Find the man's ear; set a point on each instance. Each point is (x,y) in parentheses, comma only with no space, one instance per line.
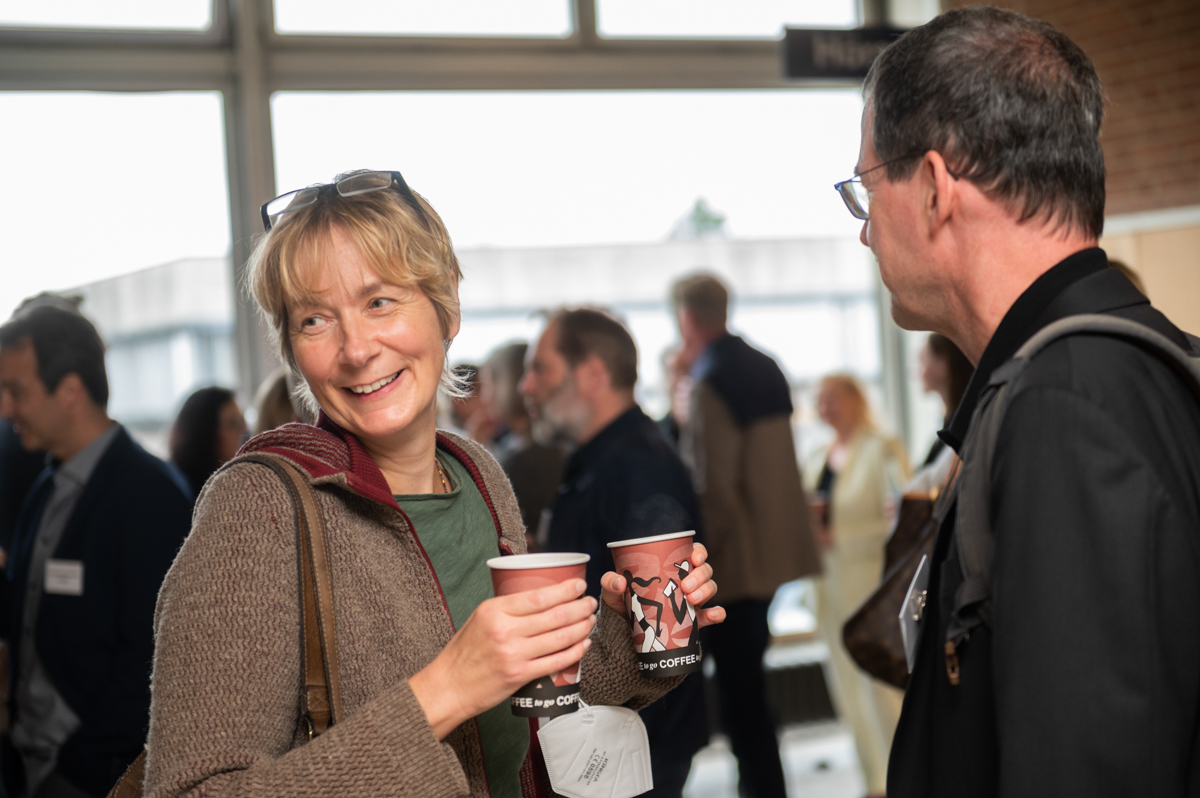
(71,390)
(941,196)
(591,375)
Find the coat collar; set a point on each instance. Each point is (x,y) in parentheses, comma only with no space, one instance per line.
(1081,283)
(329,454)
(605,440)
(749,381)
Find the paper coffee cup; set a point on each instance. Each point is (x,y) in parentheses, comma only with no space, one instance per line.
(664,624)
(558,693)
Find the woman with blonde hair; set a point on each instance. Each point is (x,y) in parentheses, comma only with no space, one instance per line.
(858,475)
(360,285)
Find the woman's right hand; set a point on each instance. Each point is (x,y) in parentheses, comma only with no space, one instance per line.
(507,642)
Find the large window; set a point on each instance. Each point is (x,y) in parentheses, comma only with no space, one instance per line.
(128,14)
(513,169)
(605,198)
(442,18)
(101,185)
(708,19)
(552,197)
(719,19)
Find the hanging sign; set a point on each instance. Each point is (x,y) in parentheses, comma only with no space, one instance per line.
(830,53)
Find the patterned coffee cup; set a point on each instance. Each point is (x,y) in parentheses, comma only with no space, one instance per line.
(558,693)
(662,620)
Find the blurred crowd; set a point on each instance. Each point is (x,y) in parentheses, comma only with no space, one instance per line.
(586,466)
(303,605)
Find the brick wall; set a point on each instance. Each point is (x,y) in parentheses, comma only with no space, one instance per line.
(1148,57)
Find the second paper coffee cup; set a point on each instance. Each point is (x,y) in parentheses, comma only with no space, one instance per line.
(558,693)
(662,620)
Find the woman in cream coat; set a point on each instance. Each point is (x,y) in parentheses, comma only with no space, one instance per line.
(860,474)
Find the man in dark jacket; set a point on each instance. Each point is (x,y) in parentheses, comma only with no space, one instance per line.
(982,185)
(737,440)
(19,469)
(623,480)
(93,541)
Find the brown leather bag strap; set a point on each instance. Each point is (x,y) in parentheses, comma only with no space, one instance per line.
(131,781)
(321,702)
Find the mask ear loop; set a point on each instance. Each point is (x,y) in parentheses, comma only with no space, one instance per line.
(586,708)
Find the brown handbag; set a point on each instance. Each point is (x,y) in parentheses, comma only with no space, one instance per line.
(872,634)
(321,701)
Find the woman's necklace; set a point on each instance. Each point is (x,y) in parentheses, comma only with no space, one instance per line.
(441,474)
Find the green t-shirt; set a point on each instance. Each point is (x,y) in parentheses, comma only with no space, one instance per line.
(459,536)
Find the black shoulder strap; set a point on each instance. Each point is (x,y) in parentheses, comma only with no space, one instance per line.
(973,530)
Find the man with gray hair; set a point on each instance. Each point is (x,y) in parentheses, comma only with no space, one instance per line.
(980,182)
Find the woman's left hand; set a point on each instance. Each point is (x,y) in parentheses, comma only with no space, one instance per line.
(699,588)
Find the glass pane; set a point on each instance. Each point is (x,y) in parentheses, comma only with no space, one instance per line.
(518,169)
(121,14)
(719,19)
(606,197)
(122,198)
(443,18)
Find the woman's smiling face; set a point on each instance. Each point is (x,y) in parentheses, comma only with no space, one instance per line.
(371,352)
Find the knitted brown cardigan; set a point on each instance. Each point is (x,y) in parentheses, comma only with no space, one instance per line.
(225,720)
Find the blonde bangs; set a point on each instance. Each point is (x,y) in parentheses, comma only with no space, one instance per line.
(300,256)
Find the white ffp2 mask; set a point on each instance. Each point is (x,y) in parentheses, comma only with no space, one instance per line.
(597,752)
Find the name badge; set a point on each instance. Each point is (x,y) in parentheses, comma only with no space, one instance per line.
(912,610)
(64,577)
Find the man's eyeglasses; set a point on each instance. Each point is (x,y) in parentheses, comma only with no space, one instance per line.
(856,197)
(349,186)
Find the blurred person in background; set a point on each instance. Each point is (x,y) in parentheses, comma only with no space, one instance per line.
(469,412)
(94,538)
(273,406)
(859,475)
(359,283)
(207,433)
(535,470)
(677,372)
(737,438)
(19,468)
(944,370)
(622,481)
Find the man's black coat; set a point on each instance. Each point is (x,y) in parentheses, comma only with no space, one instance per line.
(628,482)
(1088,680)
(126,528)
